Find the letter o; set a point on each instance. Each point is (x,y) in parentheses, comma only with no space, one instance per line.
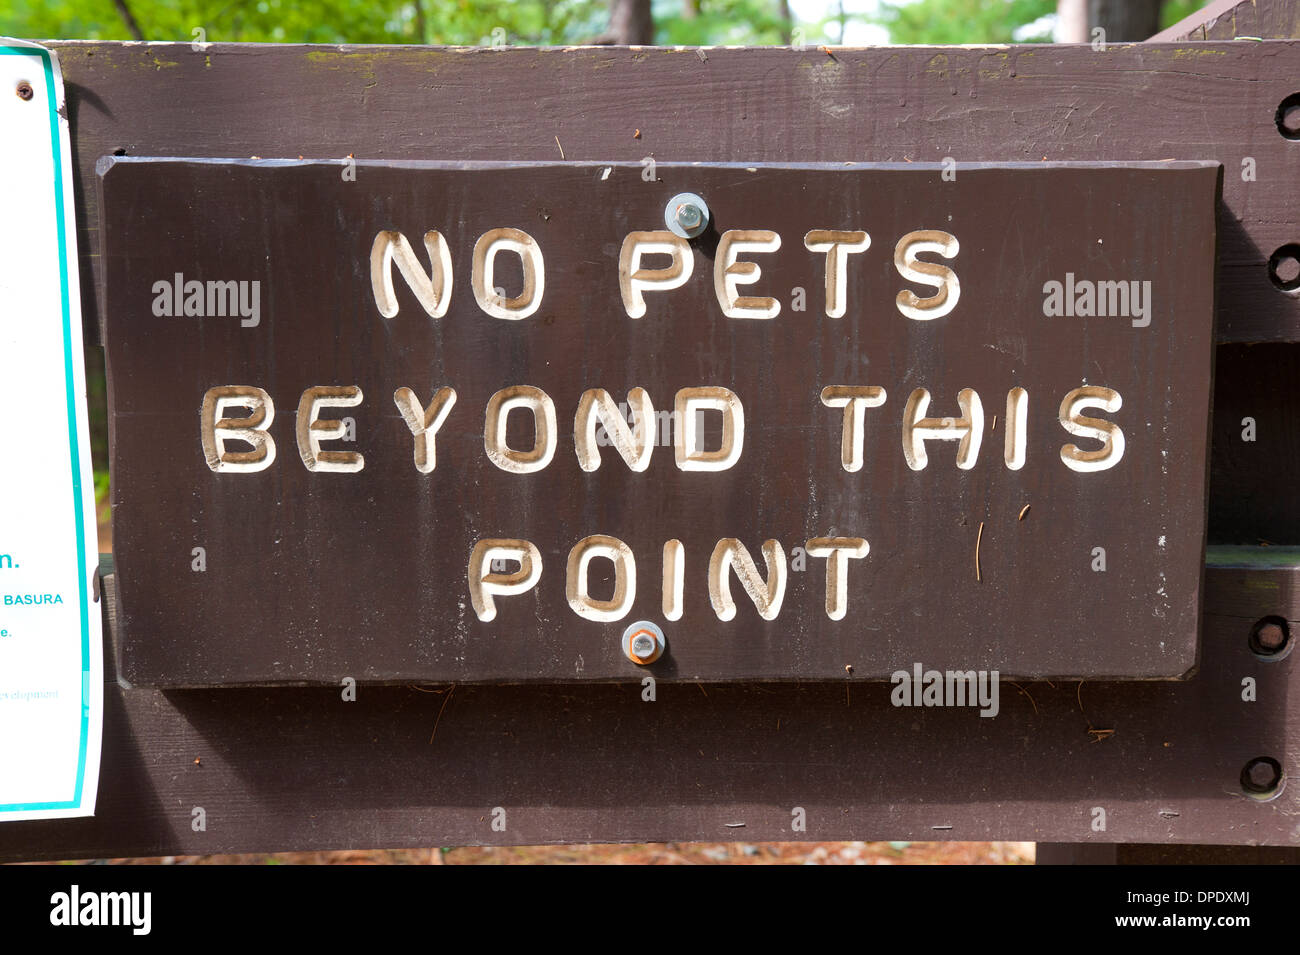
(499,407)
(482,276)
(575,586)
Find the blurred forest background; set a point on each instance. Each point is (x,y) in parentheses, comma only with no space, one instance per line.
(564,22)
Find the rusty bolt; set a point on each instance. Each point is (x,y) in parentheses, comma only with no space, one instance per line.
(25,91)
(643,642)
(686,215)
(1271,636)
(643,646)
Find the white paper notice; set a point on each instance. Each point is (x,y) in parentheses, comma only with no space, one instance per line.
(51,665)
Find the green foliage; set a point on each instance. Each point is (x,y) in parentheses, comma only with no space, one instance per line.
(962,21)
(454,22)
(1175,10)
(539,22)
(101,487)
(985,21)
(312,21)
(533,22)
(721,22)
(529,22)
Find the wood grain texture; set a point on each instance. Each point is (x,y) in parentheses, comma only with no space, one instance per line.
(1211,101)
(1229,19)
(283,769)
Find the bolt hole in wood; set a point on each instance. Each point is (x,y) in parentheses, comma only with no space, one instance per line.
(1287,117)
(1270,638)
(1284,267)
(1262,778)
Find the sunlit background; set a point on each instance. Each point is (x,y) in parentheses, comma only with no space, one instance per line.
(560,22)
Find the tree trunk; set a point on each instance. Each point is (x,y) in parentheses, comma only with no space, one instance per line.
(132,25)
(1072,21)
(630,23)
(421,22)
(787,21)
(1125,21)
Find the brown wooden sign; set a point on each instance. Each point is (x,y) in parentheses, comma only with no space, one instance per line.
(470,422)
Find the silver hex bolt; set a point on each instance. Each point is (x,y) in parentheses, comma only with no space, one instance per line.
(643,642)
(643,646)
(686,215)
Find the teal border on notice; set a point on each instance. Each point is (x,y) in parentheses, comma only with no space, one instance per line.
(56,146)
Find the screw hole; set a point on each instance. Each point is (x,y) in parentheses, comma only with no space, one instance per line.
(119,151)
(1287,117)
(1270,638)
(1262,778)
(1284,267)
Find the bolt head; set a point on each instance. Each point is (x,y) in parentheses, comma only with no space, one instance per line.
(1271,637)
(686,215)
(25,91)
(1262,774)
(1263,778)
(643,642)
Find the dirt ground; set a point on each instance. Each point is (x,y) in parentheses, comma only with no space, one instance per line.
(669,853)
